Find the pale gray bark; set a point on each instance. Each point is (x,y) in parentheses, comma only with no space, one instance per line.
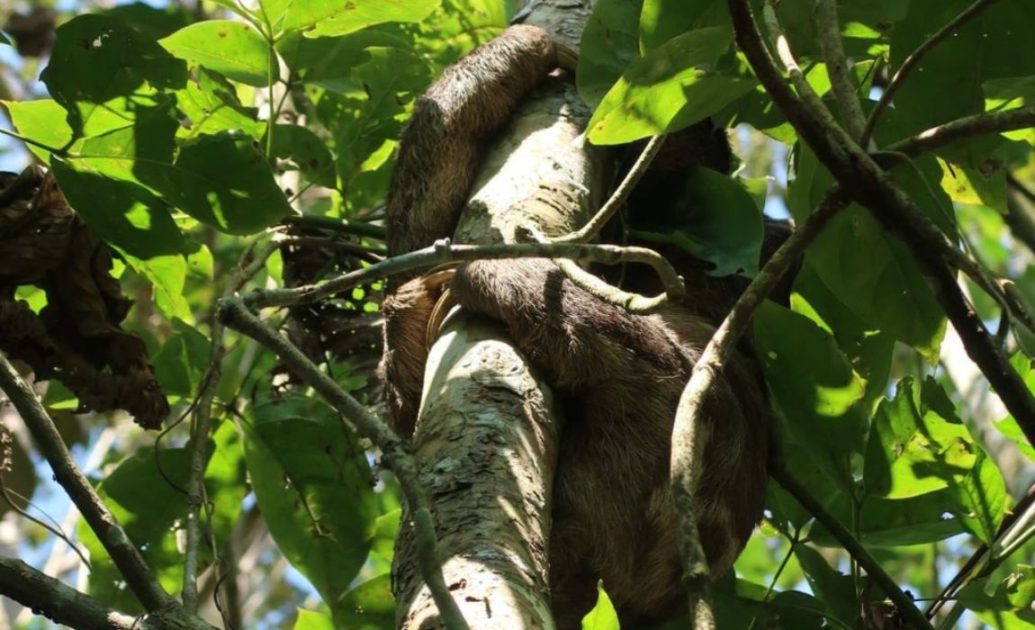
(486,439)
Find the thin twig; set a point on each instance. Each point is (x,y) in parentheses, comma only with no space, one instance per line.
(201,427)
(58,602)
(905,606)
(340,225)
(103,523)
(618,197)
(443,251)
(828,30)
(913,59)
(863,179)
(966,128)
(395,453)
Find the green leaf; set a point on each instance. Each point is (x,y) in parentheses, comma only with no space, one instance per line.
(918,446)
(312,620)
(313,485)
(833,588)
(44,121)
(1008,426)
(990,46)
(127,216)
(182,360)
(603,615)
(359,14)
(1008,607)
(230,48)
(811,382)
(210,106)
(368,606)
(670,88)
(100,63)
(712,217)
(609,44)
(662,20)
(866,268)
(300,149)
(145,493)
(222,180)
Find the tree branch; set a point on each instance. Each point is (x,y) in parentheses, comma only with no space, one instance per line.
(964,129)
(685,459)
(201,427)
(828,30)
(58,602)
(443,251)
(118,545)
(862,179)
(395,452)
(914,58)
(903,603)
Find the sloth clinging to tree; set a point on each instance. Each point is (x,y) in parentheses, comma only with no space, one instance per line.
(618,375)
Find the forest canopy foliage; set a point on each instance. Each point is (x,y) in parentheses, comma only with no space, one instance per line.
(225,147)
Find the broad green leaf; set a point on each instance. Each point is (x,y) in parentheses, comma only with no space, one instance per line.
(661,20)
(866,268)
(368,606)
(313,485)
(867,349)
(210,106)
(603,615)
(153,23)
(670,88)
(324,60)
(182,360)
(833,588)
(312,620)
(222,180)
(128,216)
(990,46)
(811,382)
(1008,426)
(353,16)
(913,450)
(233,49)
(713,218)
(300,149)
(913,521)
(609,44)
(918,446)
(45,121)
(1008,606)
(747,603)
(168,275)
(100,63)
(145,493)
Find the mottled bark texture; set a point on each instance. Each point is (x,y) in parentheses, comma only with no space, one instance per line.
(486,438)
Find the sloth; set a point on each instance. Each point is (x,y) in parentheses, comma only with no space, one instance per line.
(618,375)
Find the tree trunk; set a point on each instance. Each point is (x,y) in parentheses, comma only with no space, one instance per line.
(486,438)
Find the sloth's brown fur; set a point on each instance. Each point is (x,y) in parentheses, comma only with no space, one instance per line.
(618,375)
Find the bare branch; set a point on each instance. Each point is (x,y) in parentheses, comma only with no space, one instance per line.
(118,545)
(58,602)
(828,29)
(914,58)
(247,267)
(443,251)
(395,452)
(685,458)
(966,128)
(903,603)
